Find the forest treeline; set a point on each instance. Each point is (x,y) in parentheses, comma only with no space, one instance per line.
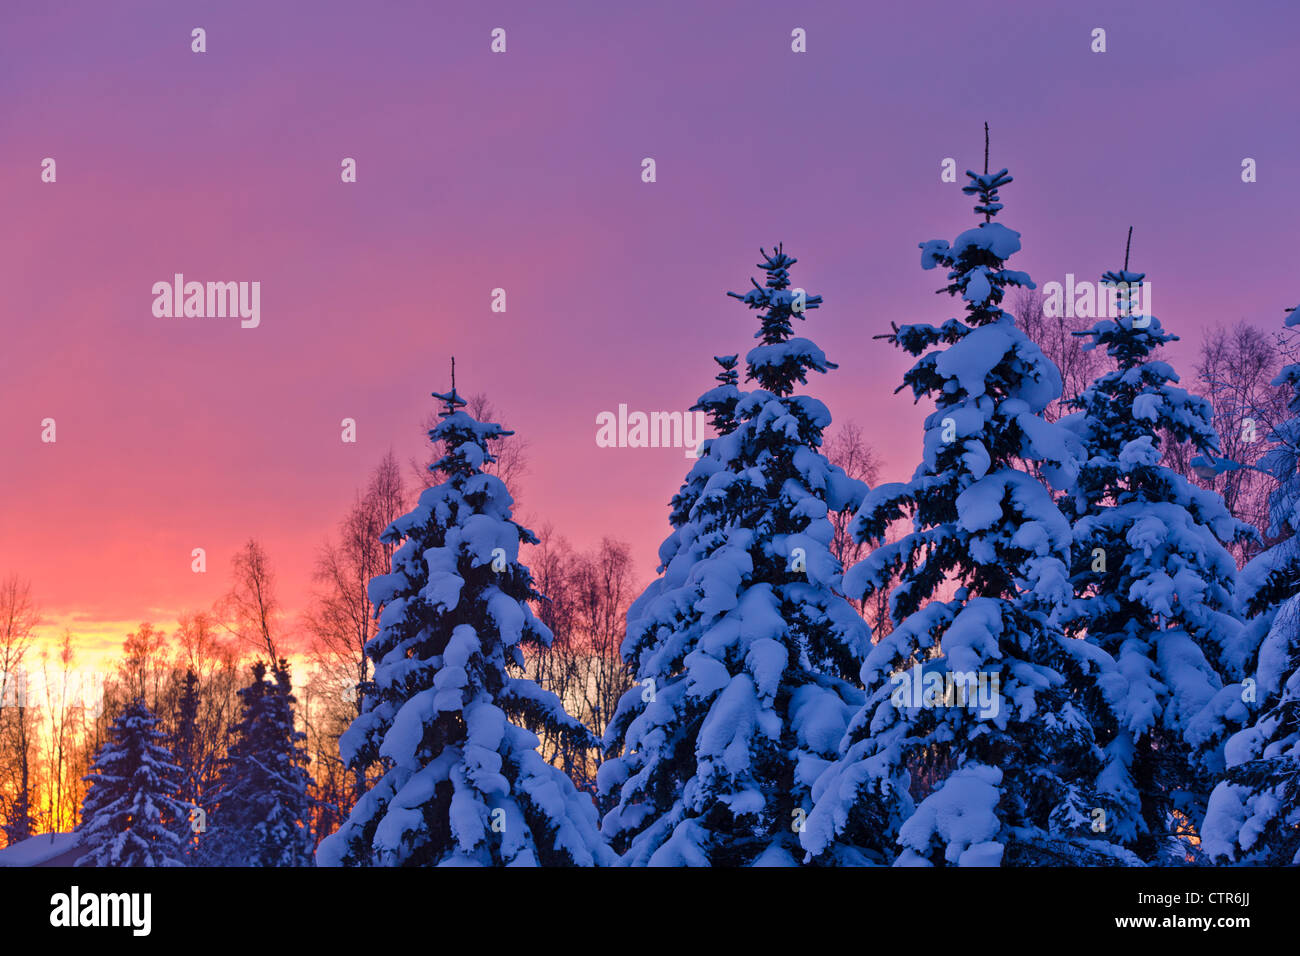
(49,738)
(258,764)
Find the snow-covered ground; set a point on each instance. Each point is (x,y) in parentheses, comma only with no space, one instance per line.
(37,850)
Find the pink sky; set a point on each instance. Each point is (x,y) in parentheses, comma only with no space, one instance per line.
(522,171)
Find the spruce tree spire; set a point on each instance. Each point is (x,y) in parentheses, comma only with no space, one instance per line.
(451,401)
(463,439)
(986,186)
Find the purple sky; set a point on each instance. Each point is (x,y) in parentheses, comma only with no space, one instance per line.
(522,171)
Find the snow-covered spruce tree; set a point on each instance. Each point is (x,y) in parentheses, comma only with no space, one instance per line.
(128,815)
(971,683)
(1154,588)
(743,650)
(1253,815)
(261,810)
(444,715)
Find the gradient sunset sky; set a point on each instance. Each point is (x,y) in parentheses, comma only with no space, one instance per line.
(522,171)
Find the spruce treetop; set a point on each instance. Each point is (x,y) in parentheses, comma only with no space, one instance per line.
(989,384)
(1128,411)
(464,438)
(782,359)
